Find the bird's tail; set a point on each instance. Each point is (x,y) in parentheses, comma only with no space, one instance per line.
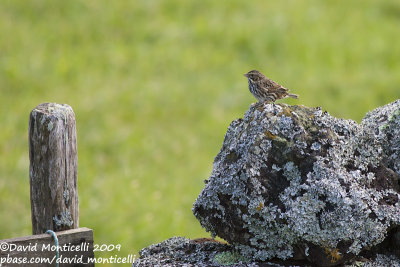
(293,96)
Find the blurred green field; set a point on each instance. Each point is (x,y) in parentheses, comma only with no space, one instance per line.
(154,85)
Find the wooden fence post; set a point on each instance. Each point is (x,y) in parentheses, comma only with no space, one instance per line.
(53,168)
(54,196)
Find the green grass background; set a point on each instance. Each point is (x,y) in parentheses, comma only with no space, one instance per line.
(154,85)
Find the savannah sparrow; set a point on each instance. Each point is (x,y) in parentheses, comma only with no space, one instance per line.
(264,89)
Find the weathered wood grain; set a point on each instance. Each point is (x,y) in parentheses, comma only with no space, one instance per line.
(53,168)
(75,245)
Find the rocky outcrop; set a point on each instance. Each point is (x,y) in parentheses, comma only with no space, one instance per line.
(180,251)
(293,182)
(183,252)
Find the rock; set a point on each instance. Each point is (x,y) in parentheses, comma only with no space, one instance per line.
(180,251)
(183,252)
(384,123)
(293,182)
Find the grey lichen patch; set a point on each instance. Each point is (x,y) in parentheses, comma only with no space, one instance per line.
(53,110)
(180,251)
(50,126)
(289,175)
(63,219)
(316,146)
(380,261)
(227,258)
(66,196)
(384,123)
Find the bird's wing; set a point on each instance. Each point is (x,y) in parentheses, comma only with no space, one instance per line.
(282,89)
(273,85)
(270,83)
(277,88)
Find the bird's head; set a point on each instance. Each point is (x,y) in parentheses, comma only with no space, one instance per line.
(254,76)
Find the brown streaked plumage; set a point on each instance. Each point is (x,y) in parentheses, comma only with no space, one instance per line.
(264,89)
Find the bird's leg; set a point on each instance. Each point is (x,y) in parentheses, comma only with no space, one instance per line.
(260,104)
(267,101)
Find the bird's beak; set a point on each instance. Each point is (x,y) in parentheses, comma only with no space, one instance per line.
(245,75)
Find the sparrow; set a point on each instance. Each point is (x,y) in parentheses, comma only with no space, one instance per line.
(266,90)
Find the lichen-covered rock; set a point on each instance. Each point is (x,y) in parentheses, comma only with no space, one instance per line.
(293,182)
(183,252)
(384,123)
(180,251)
